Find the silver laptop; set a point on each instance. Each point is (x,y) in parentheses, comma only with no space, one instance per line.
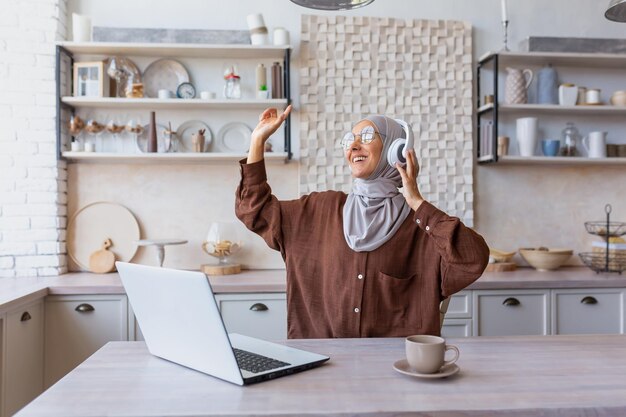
(180,322)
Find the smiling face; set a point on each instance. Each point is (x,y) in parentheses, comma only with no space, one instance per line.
(363,159)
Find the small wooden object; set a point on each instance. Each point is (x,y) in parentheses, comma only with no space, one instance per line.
(197,140)
(103,260)
(501,267)
(226,269)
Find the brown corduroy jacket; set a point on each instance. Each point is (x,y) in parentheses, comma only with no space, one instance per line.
(333,291)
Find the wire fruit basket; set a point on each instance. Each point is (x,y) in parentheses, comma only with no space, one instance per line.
(607,260)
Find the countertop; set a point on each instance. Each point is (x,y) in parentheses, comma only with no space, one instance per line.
(510,376)
(15,291)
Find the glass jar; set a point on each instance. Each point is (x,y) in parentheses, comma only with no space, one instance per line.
(570,143)
(232,89)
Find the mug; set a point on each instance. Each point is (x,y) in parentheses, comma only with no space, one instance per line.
(595,144)
(89,147)
(527,135)
(592,96)
(550,147)
(205,95)
(164,93)
(281,36)
(426,354)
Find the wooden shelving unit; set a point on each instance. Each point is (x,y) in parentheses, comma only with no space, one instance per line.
(164,158)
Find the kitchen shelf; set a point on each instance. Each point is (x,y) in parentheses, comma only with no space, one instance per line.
(554,109)
(557,160)
(164,158)
(173,50)
(172,103)
(591,60)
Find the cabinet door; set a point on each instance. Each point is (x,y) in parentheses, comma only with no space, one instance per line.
(77,326)
(504,313)
(456,328)
(460,306)
(257,315)
(588,311)
(24,356)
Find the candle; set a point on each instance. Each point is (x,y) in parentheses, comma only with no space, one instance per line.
(503,3)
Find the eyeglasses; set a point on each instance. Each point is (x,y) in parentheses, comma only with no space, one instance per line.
(367,135)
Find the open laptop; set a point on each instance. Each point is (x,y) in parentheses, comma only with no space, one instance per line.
(180,322)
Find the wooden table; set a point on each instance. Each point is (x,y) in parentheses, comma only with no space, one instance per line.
(512,376)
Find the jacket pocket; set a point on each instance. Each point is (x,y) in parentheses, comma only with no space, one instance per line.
(398,302)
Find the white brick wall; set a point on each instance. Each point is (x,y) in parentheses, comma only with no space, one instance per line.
(33,184)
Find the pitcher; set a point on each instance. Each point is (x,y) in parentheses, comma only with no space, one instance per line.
(517,82)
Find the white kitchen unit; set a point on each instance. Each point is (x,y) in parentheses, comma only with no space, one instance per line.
(511,312)
(77,326)
(585,311)
(23,360)
(254,314)
(458,318)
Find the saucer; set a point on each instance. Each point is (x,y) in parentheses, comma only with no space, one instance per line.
(403,367)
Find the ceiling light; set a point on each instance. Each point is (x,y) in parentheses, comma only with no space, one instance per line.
(616,11)
(333,4)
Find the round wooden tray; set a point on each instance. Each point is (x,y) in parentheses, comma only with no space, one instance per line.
(94,223)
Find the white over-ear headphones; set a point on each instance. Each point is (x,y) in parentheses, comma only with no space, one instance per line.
(399,147)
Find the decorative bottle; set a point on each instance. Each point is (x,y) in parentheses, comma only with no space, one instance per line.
(277,83)
(152,134)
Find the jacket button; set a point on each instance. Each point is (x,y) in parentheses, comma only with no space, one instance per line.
(356,310)
(360,276)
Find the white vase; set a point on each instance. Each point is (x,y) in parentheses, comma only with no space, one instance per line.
(527,135)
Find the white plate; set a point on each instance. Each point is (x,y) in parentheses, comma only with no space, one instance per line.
(234,137)
(94,223)
(403,367)
(187,129)
(163,140)
(165,74)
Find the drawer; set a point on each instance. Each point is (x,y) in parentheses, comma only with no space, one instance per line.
(504,313)
(460,306)
(456,328)
(587,311)
(257,315)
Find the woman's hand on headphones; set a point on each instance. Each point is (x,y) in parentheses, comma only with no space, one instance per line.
(269,122)
(409,180)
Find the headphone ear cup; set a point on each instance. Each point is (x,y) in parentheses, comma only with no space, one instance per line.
(394,153)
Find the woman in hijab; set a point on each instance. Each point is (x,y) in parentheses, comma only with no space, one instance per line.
(372,263)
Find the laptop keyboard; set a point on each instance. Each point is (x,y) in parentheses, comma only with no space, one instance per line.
(254,363)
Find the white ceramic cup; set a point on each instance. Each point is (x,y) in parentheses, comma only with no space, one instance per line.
(595,144)
(426,354)
(527,135)
(89,147)
(76,146)
(592,96)
(281,36)
(163,93)
(81,28)
(205,95)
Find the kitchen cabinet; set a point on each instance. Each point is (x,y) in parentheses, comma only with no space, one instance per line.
(78,325)
(604,71)
(519,312)
(585,311)
(456,328)
(254,314)
(23,370)
(205,64)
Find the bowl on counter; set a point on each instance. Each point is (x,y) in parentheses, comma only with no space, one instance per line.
(500,256)
(545,259)
(619,98)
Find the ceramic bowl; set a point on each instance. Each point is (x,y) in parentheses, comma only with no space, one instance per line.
(544,259)
(619,98)
(500,256)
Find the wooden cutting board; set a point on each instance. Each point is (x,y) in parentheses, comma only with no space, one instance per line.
(501,267)
(103,260)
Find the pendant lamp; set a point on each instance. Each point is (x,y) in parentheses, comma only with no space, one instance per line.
(616,11)
(332,4)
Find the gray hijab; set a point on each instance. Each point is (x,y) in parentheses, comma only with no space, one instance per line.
(375,209)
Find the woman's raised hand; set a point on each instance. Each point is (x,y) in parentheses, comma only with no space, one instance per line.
(409,180)
(269,122)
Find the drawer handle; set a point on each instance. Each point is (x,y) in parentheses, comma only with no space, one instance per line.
(589,300)
(25,316)
(258,307)
(511,302)
(84,308)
